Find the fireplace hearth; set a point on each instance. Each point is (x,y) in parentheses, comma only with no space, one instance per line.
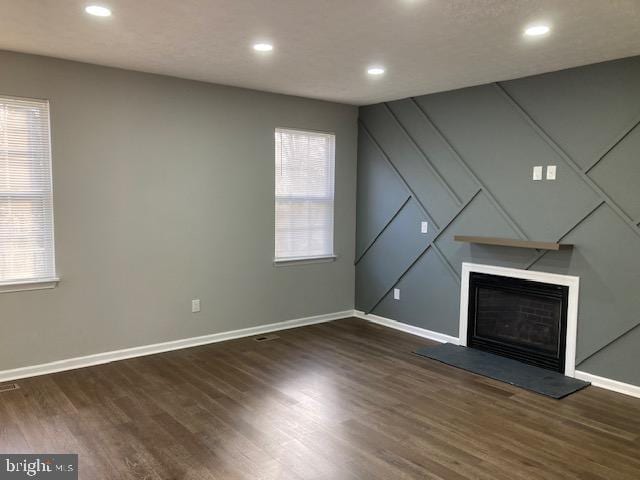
(520,319)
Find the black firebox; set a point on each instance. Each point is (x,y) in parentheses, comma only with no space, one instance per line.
(519,319)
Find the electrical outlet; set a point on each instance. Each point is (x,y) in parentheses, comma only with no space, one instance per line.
(195,305)
(396,294)
(424,227)
(537,172)
(551,172)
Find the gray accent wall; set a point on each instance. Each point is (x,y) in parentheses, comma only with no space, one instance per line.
(463,161)
(164,192)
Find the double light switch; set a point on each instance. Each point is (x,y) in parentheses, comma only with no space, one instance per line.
(538,171)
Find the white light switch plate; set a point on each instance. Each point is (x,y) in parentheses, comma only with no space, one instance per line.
(551,172)
(424,227)
(195,305)
(396,294)
(537,172)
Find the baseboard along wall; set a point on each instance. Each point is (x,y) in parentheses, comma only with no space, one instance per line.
(597,381)
(404,327)
(107,357)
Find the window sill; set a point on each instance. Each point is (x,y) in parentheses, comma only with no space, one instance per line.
(281,262)
(24,286)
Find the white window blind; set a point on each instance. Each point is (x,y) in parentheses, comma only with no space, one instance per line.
(26,211)
(304,194)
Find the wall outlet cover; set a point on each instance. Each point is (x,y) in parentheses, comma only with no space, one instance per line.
(551,172)
(195,305)
(424,227)
(537,172)
(396,294)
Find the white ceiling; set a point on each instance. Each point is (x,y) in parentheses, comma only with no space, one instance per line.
(322,47)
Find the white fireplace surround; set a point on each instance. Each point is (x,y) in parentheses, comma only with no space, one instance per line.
(566,280)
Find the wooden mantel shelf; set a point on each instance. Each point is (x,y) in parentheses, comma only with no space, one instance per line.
(510,242)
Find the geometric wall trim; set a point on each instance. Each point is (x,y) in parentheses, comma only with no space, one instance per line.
(419,293)
(381,189)
(576,94)
(472,118)
(481,218)
(428,186)
(464,160)
(608,274)
(622,188)
(384,263)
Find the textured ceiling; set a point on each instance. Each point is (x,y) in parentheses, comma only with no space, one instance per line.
(322,47)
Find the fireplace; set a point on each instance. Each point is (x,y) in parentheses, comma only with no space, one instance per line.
(519,319)
(520,314)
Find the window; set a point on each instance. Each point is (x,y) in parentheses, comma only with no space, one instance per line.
(26,210)
(304,195)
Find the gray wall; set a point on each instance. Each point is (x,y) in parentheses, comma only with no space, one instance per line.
(164,191)
(463,161)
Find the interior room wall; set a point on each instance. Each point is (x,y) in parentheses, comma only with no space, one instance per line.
(164,192)
(462,160)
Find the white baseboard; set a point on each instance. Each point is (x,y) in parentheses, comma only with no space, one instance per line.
(420,332)
(596,381)
(106,357)
(609,384)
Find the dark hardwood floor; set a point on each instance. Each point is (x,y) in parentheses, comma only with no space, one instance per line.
(341,400)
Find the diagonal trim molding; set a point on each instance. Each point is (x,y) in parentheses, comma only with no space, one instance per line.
(427,161)
(491,128)
(615,143)
(433,245)
(393,217)
(395,169)
(569,161)
(576,225)
(424,209)
(605,199)
(469,171)
(629,330)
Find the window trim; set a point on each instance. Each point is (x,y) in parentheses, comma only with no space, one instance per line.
(29,284)
(281,262)
(311,259)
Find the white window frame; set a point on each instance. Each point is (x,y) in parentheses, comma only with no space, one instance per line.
(27,284)
(308,259)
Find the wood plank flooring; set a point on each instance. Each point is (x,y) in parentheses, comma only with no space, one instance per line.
(341,400)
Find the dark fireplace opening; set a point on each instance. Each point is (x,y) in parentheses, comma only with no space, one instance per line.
(519,319)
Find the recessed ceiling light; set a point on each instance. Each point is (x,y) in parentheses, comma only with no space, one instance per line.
(263,47)
(98,11)
(375,70)
(537,30)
